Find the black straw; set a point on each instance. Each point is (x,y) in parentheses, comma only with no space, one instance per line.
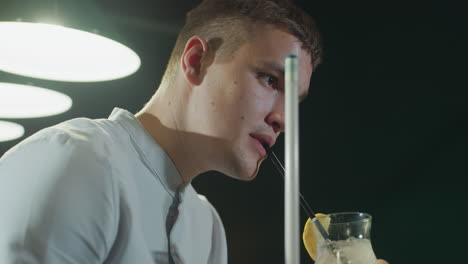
(305,206)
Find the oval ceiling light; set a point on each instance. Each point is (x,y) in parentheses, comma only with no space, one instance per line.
(58,53)
(10,131)
(25,101)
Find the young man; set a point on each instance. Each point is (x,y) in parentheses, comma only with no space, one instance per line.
(118,190)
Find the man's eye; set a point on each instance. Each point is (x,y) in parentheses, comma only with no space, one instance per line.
(269,80)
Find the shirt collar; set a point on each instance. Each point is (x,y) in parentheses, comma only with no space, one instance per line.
(152,154)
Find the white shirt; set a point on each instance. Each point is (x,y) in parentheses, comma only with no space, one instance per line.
(100,191)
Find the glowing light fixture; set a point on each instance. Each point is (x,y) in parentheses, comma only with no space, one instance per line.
(59,53)
(10,131)
(25,101)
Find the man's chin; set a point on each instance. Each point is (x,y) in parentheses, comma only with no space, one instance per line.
(249,176)
(245,173)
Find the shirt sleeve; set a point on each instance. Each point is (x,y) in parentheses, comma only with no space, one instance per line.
(57,202)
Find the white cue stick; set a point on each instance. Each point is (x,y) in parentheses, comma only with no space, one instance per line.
(291,186)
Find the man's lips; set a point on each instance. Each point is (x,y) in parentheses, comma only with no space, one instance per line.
(259,147)
(263,143)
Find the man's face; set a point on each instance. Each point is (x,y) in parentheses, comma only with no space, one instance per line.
(240,101)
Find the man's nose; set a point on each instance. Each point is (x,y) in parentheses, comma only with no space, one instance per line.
(276,117)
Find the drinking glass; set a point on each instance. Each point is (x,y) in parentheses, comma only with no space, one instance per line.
(348,239)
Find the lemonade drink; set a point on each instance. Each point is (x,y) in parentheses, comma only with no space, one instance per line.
(349,251)
(340,238)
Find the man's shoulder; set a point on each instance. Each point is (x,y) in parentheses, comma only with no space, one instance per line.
(81,130)
(72,155)
(94,135)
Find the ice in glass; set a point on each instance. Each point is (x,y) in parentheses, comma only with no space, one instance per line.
(348,239)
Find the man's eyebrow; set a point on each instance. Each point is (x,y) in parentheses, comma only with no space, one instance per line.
(274,66)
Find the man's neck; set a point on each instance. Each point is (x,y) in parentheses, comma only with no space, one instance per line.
(161,120)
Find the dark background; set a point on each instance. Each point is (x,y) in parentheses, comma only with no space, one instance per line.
(383,130)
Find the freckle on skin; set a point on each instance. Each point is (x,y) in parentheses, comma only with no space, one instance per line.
(242,117)
(235,82)
(212,103)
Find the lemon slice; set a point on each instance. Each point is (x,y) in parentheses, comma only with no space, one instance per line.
(309,237)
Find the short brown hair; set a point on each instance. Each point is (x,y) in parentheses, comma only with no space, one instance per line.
(228,20)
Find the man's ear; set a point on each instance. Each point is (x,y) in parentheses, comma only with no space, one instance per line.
(195,52)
